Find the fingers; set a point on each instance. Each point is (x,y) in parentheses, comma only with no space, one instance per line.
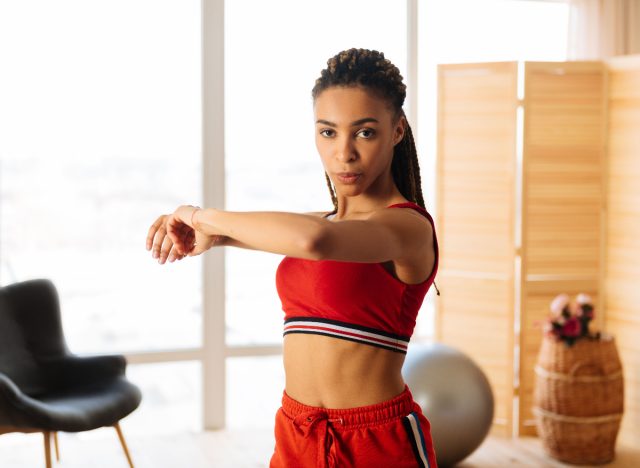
(187,243)
(174,255)
(159,223)
(182,235)
(158,241)
(167,245)
(172,231)
(170,239)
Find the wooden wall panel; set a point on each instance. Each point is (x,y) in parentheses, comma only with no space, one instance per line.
(623,234)
(563,193)
(476,207)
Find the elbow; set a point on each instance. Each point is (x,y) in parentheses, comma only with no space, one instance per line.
(314,245)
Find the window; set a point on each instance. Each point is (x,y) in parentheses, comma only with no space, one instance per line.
(100,120)
(100,123)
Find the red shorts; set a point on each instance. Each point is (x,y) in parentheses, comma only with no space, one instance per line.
(393,433)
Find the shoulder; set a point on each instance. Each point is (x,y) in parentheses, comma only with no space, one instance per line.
(414,226)
(408,220)
(406,210)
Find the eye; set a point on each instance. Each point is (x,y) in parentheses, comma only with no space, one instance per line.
(367,133)
(325,134)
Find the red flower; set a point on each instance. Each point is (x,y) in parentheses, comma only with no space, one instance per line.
(569,320)
(571,328)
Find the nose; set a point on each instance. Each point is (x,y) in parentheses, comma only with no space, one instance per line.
(345,149)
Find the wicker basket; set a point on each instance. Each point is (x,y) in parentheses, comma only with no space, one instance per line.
(578,399)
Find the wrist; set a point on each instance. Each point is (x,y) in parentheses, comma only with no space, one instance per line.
(205,220)
(194,220)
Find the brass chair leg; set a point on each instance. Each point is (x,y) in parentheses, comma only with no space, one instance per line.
(47,448)
(124,444)
(55,442)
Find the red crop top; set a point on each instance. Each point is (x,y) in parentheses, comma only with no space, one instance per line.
(354,301)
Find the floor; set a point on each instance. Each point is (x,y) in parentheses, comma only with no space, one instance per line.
(235,449)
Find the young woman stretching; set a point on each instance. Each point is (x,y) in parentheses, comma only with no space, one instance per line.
(351,281)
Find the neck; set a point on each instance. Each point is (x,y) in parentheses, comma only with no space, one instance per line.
(380,194)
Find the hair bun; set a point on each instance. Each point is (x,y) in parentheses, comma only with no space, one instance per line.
(363,67)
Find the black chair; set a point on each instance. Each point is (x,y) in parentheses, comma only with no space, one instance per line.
(43,386)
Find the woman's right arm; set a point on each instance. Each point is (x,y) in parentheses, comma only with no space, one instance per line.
(162,247)
(229,242)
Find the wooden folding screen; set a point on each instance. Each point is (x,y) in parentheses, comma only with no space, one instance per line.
(622,284)
(516,232)
(476,196)
(563,200)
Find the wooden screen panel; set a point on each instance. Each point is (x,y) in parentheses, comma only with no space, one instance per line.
(563,199)
(477,106)
(622,278)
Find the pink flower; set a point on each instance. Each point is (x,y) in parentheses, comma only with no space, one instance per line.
(558,304)
(571,327)
(575,309)
(584,299)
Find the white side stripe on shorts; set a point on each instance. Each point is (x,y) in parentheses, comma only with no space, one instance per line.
(412,424)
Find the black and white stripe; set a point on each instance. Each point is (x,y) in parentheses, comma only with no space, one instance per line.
(347,331)
(416,437)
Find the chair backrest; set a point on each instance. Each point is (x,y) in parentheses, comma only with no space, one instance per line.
(30,331)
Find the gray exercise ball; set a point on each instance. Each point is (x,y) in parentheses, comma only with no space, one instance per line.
(454,395)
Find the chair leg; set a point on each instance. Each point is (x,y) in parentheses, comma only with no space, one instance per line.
(124,444)
(55,442)
(47,448)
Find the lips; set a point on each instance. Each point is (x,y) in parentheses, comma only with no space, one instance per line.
(348,177)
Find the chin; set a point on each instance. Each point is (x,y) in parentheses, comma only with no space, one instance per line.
(350,192)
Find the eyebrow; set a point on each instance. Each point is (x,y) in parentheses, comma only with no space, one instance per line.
(353,124)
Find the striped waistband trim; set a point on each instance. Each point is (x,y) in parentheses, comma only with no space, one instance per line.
(346,331)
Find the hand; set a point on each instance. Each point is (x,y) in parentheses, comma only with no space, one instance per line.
(162,244)
(187,240)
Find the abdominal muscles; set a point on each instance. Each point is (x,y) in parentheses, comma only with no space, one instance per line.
(335,373)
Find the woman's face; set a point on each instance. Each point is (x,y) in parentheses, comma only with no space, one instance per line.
(355,133)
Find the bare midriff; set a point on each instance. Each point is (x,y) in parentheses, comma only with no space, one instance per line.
(334,373)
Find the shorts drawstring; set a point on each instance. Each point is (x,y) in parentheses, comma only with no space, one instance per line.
(306,422)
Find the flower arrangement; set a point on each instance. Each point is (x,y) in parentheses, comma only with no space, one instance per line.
(569,320)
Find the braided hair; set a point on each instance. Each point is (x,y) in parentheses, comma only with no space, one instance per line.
(369,69)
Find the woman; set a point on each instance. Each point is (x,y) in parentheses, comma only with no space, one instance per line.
(351,283)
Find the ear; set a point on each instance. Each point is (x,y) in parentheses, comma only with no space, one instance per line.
(399,129)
